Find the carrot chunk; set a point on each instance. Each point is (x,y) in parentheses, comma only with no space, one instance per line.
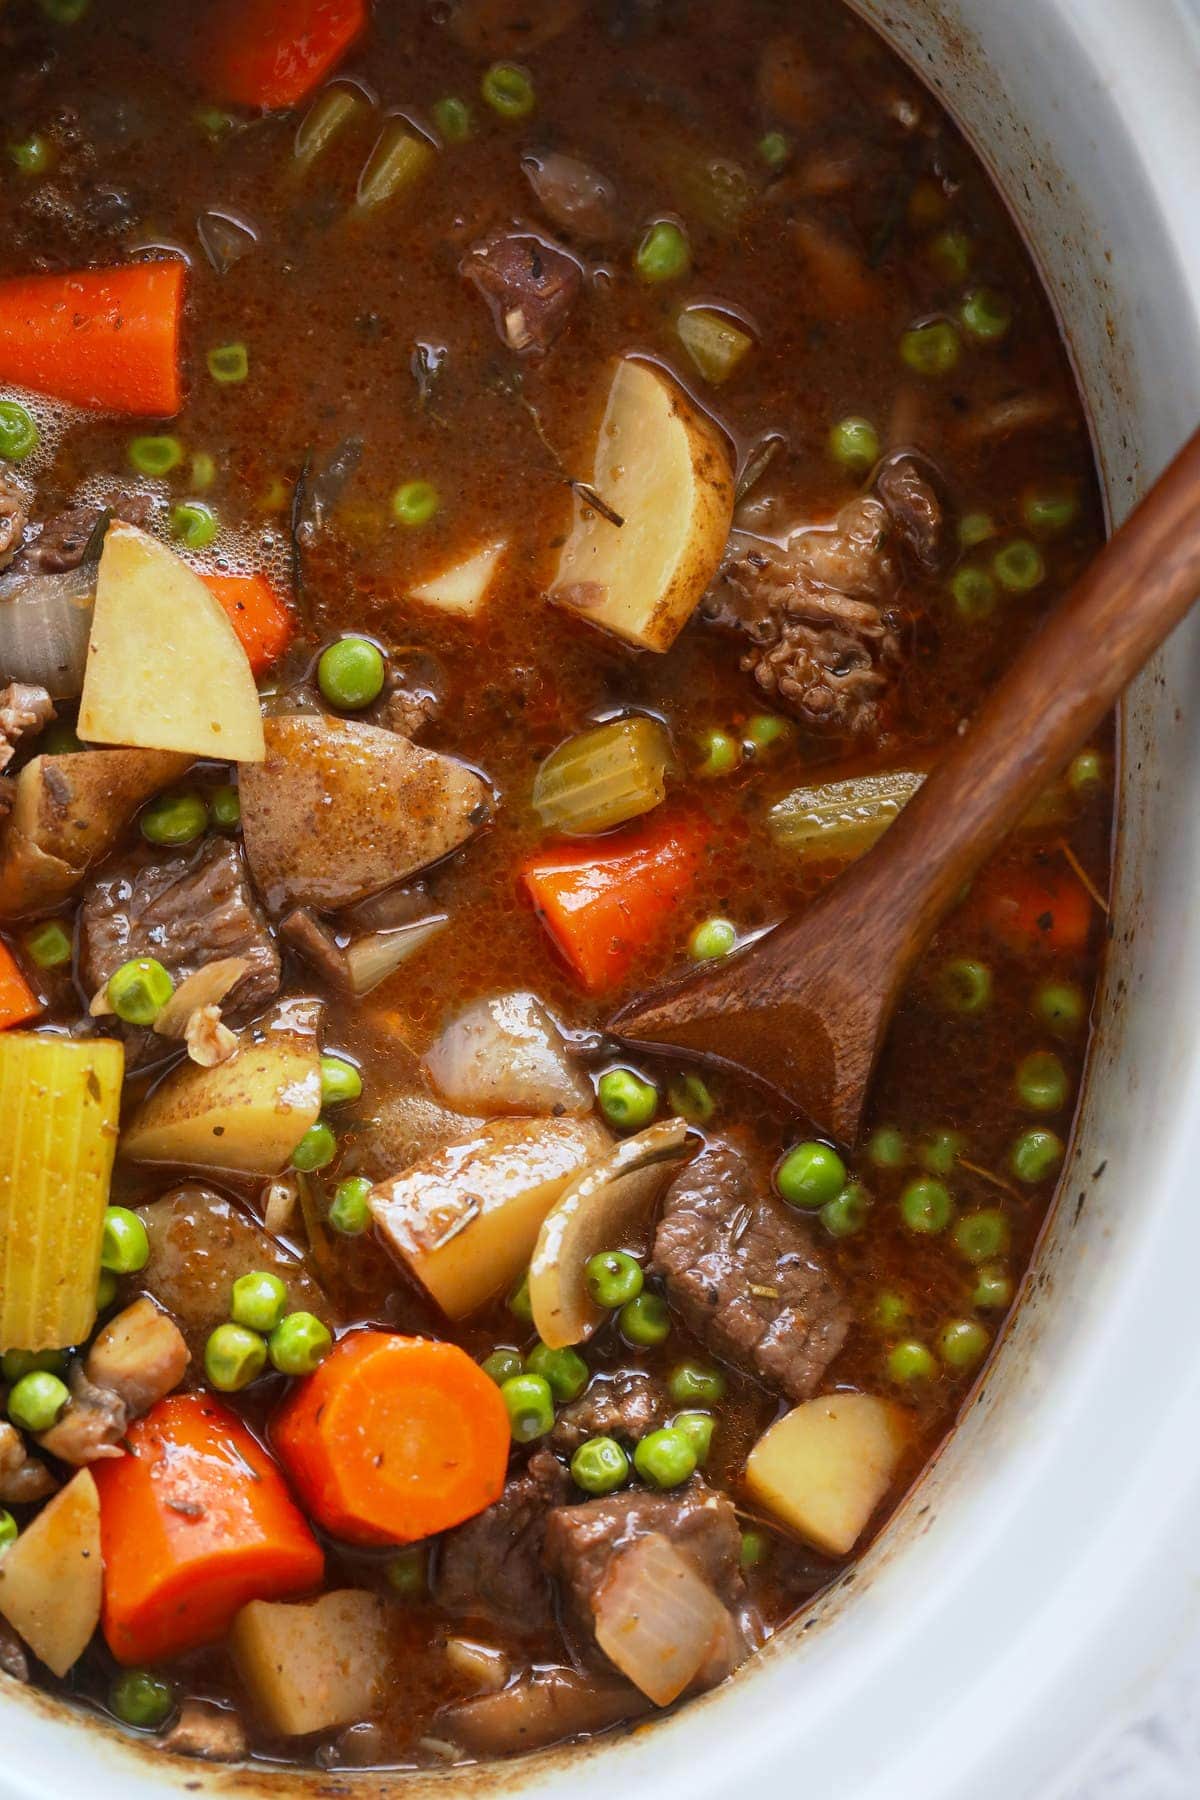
(394,1438)
(194,1522)
(602,902)
(18,1002)
(263,622)
(107,339)
(1027,907)
(273,52)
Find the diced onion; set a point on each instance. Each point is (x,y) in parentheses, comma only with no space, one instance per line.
(657,1619)
(714,342)
(44,625)
(373,958)
(603,777)
(506,1055)
(483,1665)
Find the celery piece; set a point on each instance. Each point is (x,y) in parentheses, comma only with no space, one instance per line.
(603,777)
(400,158)
(325,118)
(60,1102)
(713,342)
(841,818)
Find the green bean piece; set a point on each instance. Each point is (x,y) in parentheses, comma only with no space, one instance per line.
(993,1288)
(194,524)
(1051,512)
(229,364)
(508,89)
(155,455)
(415,503)
(975,528)
(1062,1006)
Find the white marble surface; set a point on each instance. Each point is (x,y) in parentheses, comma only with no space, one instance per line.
(1154,1755)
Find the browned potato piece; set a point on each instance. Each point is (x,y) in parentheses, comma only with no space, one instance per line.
(50,1579)
(315,1665)
(340,810)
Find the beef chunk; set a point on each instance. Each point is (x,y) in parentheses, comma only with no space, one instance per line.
(580,201)
(529,284)
(746,1275)
(624,1405)
(23,708)
(544,1707)
(23,1479)
(63,539)
(14,516)
(493,1564)
(211,1733)
(910,489)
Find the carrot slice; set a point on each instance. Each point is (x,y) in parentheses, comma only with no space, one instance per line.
(18,1002)
(272,52)
(394,1438)
(602,902)
(107,339)
(194,1522)
(263,622)
(1027,907)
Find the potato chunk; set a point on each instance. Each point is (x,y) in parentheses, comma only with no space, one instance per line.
(824,1467)
(662,468)
(463,586)
(50,1580)
(465,1221)
(165,669)
(314,1665)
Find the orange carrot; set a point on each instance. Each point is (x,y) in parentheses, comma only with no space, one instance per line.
(101,338)
(261,619)
(394,1438)
(601,902)
(194,1522)
(18,1002)
(272,52)
(1026,907)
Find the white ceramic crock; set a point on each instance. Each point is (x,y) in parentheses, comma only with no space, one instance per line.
(1051,1560)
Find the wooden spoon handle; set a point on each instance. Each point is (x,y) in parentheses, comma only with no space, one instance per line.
(1058,689)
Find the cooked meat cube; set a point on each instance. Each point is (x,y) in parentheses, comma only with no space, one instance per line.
(909,488)
(210,1733)
(580,201)
(625,1405)
(140,1355)
(92,1426)
(22,1477)
(13,1661)
(746,1275)
(547,1706)
(493,1564)
(64,536)
(529,284)
(14,515)
(23,708)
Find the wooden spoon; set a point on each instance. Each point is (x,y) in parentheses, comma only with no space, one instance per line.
(804,1008)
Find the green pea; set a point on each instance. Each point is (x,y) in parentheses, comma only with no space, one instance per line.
(950,253)
(37,1401)
(932,349)
(663,254)
(627,1102)
(962,1343)
(316,1149)
(939,1154)
(340,1081)
(48,945)
(974,594)
(993,1288)
(530,1406)
(754,1548)
(9,1532)
(502,1365)
(982,1235)
(194,524)
(722,754)
(564,1371)
(886,1148)
(258,1301)
(155,455)
(665,1458)
(986,315)
(141,1699)
(299,1344)
(106,1290)
(1086,772)
(519,1303)
(965,986)
(926,1206)
(774,150)
(892,1310)
(349,1214)
(234,1356)
(229,364)
(1050,513)
(853,444)
(810,1175)
(691,1382)
(1041,1082)
(124,1245)
(1061,1005)
(174,819)
(975,528)
(225,807)
(645,1321)
(847,1214)
(697,1428)
(18,431)
(599,1466)
(1035,1155)
(453,120)
(16,1363)
(1019,567)
(689,1097)
(508,90)
(408,1572)
(138,990)
(415,503)
(910,1360)
(711,939)
(765,730)
(350,673)
(612,1278)
(33,155)
(203,470)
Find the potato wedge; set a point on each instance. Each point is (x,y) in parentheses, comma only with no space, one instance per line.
(596,1212)
(463,587)
(465,1220)
(663,469)
(824,1467)
(165,669)
(50,1580)
(312,1665)
(340,810)
(244,1116)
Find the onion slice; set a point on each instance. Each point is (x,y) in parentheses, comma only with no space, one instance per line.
(206,986)
(44,624)
(657,1619)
